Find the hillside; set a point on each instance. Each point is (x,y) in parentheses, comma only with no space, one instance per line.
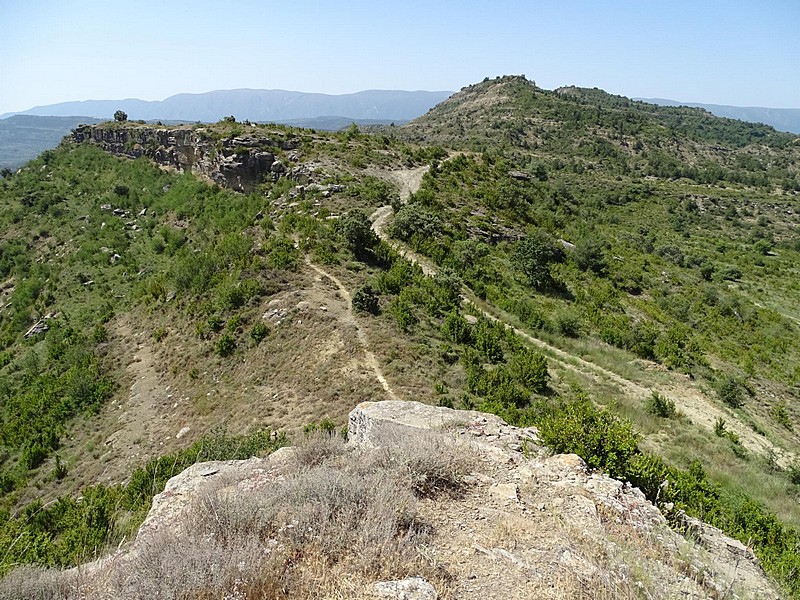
(617,274)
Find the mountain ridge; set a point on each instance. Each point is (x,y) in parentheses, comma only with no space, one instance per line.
(782,119)
(256,105)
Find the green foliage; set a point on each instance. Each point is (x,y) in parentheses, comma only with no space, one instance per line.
(225,345)
(603,440)
(71,384)
(402,309)
(120,116)
(258,332)
(456,328)
(529,368)
(730,391)
(70,530)
(781,415)
(366,299)
(414,221)
(535,255)
(660,406)
(356,229)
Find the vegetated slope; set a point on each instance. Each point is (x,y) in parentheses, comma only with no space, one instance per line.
(558,220)
(588,128)
(213,290)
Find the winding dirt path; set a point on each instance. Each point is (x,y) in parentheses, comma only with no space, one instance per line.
(688,399)
(350,319)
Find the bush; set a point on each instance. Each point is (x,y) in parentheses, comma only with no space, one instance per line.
(366,300)
(534,256)
(730,391)
(602,439)
(456,328)
(225,345)
(660,406)
(355,228)
(529,368)
(258,332)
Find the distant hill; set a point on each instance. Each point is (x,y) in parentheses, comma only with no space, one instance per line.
(782,119)
(258,105)
(24,137)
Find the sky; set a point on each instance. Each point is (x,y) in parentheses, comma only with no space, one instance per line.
(743,53)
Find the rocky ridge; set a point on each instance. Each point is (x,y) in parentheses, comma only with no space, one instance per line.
(522,524)
(236,162)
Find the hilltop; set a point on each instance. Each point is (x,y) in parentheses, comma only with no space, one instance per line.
(616,274)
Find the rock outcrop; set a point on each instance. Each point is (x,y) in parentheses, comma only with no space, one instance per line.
(239,163)
(521,523)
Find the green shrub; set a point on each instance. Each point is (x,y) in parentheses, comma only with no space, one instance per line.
(793,473)
(258,332)
(366,300)
(225,345)
(730,391)
(660,406)
(529,368)
(781,415)
(456,328)
(534,256)
(602,439)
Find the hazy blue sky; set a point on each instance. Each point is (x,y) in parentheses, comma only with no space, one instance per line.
(715,51)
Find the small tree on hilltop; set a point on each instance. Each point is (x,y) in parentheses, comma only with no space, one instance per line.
(120,116)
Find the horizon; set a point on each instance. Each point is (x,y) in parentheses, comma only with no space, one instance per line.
(654,100)
(727,53)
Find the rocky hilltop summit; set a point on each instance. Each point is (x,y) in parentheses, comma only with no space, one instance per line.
(420,503)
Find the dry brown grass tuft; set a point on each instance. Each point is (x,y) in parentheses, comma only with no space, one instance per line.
(36,583)
(329,529)
(338,521)
(427,463)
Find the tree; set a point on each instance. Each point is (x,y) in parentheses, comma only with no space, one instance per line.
(356,229)
(366,300)
(534,256)
(120,116)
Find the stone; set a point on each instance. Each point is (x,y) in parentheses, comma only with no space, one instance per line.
(412,588)
(39,327)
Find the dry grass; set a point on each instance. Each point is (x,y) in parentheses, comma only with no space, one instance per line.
(333,526)
(36,583)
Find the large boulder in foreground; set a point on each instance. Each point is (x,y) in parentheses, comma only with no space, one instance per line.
(421,502)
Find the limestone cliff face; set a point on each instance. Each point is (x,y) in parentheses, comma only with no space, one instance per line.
(239,163)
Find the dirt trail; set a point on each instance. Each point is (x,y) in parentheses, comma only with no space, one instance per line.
(350,319)
(688,399)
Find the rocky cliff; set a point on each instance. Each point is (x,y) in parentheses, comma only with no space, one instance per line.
(236,162)
(421,503)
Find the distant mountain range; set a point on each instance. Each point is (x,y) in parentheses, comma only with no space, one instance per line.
(257,105)
(782,119)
